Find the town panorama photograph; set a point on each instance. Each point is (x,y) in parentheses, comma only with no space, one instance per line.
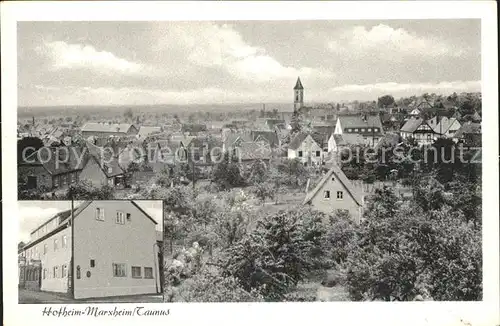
(307,160)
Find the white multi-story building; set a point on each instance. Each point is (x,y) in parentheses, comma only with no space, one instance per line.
(111,251)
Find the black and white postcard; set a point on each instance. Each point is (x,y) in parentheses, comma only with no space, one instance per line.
(289,162)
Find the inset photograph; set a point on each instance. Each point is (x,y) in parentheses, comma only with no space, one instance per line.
(90,251)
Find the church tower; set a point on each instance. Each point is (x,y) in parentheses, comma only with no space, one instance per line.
(298,96)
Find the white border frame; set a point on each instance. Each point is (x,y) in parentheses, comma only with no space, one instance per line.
(428,313)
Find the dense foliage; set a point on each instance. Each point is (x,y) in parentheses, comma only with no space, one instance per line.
(421,248)
(277,254)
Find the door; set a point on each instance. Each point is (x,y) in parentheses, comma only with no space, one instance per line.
(31,182)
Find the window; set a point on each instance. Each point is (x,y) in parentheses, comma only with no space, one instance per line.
(355,129)
(148,272)
(36,253)
(56,181)
(362,129)
(99,214)
(136,272)
(128,217)
(56,271)
(73,177)
(120,218)
(56,244)
(119,270)
(64,270)
(369,129)
(326,194)
(64,241)
(44,275)
(340,194)
(318,153)
(300,153)
(78,273)
(92,263)
(333,178)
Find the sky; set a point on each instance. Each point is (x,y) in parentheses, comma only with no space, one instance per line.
(33,213)
(134,63)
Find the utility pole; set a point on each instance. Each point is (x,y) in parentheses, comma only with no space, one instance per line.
(72,245)
(193,171)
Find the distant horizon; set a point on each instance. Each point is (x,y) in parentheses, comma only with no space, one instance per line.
(234,103)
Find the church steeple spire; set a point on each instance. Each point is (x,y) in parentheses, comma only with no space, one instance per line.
(298,95)
(298,85)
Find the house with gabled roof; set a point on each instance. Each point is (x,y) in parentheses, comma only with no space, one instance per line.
(469,135)
(110,250)
(270,137)
(336,143)
(52,168)
(231,140)
(273,124)
(418,129)
(205,151)
(368,126)
(103,129)
(335,192)
(101,167)
(444,126)
(305,148)
(145,131)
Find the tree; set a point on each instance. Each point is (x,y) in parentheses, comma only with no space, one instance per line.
(277,180)
(469,104)
(385,101)
(340,237)
(258,172)
(263,190)
(227,173)
(296,122)
(382,204)
(277,254)
(432,253)
(177,212)
(293,171)
(176,118)
(128,114)
(233,220)
(429,194)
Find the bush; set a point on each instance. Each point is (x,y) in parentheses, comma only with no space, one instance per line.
(84,190)
(334,277)
(210,286)
(264,190)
